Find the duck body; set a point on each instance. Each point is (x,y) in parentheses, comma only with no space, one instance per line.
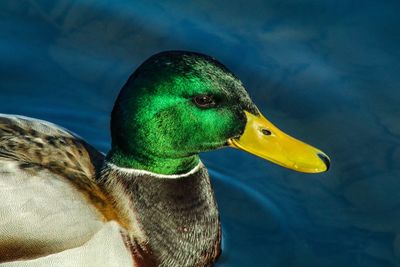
(57,192)
(150,197)
(38,162)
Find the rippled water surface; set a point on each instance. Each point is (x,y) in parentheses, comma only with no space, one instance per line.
(325,71)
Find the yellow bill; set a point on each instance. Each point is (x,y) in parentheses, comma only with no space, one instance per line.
(263,139)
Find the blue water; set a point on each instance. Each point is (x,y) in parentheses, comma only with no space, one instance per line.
(327,72)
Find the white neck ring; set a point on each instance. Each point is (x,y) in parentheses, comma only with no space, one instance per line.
(137,172)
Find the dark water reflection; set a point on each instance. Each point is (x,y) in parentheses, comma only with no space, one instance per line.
(324,71)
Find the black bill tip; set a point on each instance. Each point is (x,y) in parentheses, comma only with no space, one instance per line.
(325,159)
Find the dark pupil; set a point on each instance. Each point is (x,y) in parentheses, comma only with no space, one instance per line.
(204,101)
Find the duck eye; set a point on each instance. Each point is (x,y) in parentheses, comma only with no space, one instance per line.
(204,101)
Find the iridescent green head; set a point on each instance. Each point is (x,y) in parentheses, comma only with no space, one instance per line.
(177,104)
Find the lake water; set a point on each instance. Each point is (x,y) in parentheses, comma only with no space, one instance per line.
(327,72)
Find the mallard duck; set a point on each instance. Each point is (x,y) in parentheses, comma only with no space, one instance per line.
(58,193)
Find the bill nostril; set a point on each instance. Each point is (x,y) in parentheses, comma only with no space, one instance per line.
(266,131)
(325,159)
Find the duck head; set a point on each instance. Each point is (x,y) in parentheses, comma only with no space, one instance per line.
(178,104)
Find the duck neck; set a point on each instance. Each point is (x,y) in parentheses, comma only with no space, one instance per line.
(152,163)
(174,216)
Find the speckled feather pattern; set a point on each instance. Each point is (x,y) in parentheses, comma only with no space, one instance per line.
(35,143)
(46,185)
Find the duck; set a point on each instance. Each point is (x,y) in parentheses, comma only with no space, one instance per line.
(149,201)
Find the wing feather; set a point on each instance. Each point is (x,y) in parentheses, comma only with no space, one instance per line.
(49,199)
